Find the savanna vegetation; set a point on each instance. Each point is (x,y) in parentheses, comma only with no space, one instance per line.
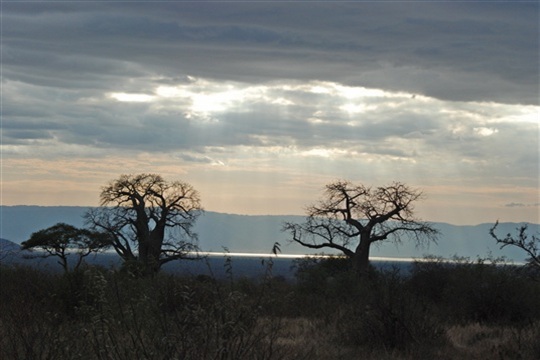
(445,310)
(336,308)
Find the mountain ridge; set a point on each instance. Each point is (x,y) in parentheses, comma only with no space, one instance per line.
(257,233)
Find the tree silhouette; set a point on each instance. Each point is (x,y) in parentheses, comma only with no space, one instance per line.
(531,245)
(150,220)
(62,240)
(350,218)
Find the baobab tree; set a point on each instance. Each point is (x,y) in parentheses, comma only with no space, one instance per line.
(149,219)
(350,218)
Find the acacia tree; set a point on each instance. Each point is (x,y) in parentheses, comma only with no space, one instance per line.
(62,240)
(150,220)
(350,218)
(531,245)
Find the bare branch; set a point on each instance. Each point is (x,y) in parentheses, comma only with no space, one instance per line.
(358,215)
(531,245)
(140,209)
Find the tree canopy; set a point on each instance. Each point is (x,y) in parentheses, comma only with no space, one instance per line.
(350,218)
(62,240)
(150,219)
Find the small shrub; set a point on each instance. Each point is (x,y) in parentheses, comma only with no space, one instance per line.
(321,284)
(479,291)
(389,316)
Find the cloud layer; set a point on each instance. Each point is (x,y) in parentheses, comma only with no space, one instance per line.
(286,94)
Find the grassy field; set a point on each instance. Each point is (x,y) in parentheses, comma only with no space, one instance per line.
(466,310)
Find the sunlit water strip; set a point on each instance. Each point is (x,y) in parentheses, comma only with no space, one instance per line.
(371,258)
(295,256)
(322,256)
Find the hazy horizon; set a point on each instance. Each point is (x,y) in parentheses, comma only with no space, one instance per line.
(273,215)
(258,234)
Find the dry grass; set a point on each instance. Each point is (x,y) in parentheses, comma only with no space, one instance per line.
(477,341)
(104,315)
(304,338)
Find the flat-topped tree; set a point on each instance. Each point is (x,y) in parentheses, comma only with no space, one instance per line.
(350,218)
(64,240)
(149,219)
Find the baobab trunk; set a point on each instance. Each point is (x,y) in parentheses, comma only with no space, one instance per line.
(149,253)
(361,256)
(153,252)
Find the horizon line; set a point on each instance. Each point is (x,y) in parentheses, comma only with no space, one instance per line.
(276,215)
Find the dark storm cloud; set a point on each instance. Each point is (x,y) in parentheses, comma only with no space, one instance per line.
(457,51)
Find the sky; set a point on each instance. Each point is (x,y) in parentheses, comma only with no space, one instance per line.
(260,104)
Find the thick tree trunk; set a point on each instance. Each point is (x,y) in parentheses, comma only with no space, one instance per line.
(143,249)
(361,256)
(150,251)
(143,238)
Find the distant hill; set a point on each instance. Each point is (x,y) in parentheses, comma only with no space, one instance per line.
(17,223)
(8,246)
(238,233)
(257,234)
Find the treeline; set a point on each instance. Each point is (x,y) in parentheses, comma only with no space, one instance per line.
(463,309)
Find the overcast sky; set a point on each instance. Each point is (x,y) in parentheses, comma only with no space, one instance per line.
(260,104)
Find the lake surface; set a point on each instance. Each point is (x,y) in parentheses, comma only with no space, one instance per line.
(218,265)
